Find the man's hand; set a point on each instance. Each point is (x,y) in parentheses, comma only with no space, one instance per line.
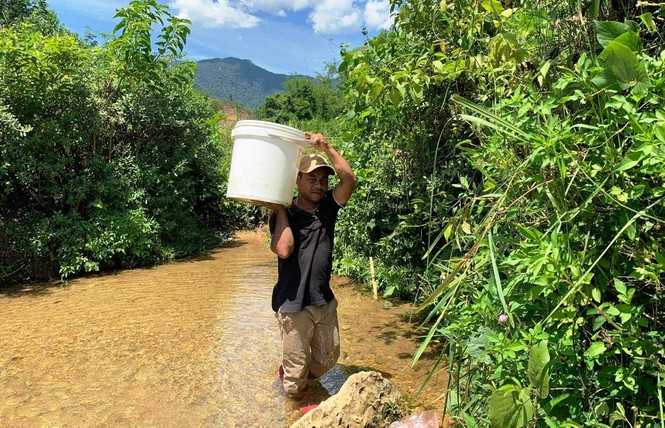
(319,142)
(347,179)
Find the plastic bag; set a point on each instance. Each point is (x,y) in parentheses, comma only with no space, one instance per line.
(427,419)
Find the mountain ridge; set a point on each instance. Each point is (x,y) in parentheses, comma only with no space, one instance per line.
(238,80)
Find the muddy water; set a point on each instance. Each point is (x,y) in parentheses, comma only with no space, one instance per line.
(188,344)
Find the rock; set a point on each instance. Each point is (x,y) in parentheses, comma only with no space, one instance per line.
(366,399)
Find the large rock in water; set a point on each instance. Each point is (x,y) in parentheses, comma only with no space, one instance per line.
(366,399)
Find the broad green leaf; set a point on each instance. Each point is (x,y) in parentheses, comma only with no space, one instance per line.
(395,96)
(528,233)
(605,79)
(447,232)
(624,64)
(538,371)
(612,311)
(609,30)
(554,401)
(629,39)
(625,317)
(647,20)
(598,322)
(631,160)
(623,69)
(595,293)
(602,409)
(595,350)
(660,132)
(620,286)
(631,231)
(492,6)
(510,407)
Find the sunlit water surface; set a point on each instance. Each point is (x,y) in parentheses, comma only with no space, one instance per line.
(188,344)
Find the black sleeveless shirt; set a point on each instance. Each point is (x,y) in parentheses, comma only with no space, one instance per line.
(304,277)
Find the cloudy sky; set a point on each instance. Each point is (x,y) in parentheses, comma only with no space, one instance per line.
(282,36)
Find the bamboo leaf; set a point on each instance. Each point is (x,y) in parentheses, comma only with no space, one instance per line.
(576,287)
(497,279)
(490,119)
(449,278)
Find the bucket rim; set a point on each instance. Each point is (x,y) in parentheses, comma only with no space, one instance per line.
(266,124)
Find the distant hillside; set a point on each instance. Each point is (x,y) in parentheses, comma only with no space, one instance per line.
(237,80)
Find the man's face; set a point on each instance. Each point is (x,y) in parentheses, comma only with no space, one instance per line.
(313,185)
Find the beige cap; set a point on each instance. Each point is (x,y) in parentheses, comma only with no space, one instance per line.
(310,162)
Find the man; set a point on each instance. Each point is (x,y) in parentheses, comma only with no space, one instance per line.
(302,238)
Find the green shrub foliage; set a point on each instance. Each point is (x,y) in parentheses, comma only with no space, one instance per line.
(108,156)
(511,162)
(303,99)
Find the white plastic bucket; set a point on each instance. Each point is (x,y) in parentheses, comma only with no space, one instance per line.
(264,164)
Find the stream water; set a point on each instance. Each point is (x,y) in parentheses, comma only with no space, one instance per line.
(193,343)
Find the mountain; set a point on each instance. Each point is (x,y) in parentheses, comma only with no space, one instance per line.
(237,80)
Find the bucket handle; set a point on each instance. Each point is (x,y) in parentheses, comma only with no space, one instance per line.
(301,141)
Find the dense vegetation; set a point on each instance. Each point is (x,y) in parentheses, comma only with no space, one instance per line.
(108,155)
(511,159)
(303,100)
(511,171)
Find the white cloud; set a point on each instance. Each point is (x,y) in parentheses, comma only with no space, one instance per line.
(220,14)
(328,17)
(335,17)
(377,14)
(277,6)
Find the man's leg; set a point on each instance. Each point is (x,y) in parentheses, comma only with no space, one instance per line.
(296,329)
(325,340)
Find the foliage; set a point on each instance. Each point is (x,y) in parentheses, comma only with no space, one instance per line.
(519,152)
(32,12)
(303,99)
(110,157)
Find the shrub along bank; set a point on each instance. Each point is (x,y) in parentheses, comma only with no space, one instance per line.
(511,164)
(109,157)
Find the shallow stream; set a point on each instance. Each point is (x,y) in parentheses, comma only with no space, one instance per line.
(193,343)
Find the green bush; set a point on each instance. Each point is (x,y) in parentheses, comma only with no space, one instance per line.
(110,157)
(511,157)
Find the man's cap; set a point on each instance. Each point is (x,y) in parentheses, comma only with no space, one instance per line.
(311,162)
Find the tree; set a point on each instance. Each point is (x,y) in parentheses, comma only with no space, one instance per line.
(303,99)
(34,12)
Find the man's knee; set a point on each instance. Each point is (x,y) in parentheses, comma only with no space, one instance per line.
(318,368)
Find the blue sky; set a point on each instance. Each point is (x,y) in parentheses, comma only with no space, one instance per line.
(286,37)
